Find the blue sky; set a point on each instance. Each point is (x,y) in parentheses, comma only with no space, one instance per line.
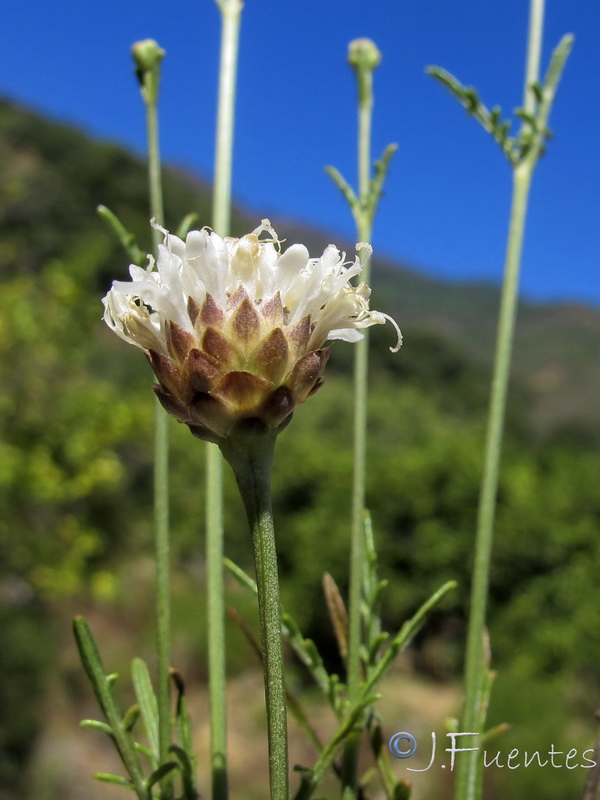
(446,204)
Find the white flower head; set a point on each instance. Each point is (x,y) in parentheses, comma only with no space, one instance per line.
(234,329)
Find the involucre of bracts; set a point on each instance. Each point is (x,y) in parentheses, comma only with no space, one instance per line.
(234,329)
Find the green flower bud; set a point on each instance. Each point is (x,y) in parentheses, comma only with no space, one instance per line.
(363,54)
(147,55)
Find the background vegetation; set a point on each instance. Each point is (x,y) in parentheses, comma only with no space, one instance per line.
(75,467)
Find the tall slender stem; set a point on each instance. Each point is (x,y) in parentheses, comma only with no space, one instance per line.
(468,781)
(216,623)
(163,601)
(230,16)
(534,53)
(251,457)
(470,770)
(363,66)
(148,57)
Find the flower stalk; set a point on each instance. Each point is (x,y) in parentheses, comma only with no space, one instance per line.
(250,453)
(363,57)
(469,776)
(363,60)
(148,58)
(524,153)
(230,11)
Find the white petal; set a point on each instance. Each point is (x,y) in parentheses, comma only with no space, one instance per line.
(293,260)
(319,288)
(346,335)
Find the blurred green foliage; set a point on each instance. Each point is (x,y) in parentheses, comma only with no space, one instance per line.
(76,415)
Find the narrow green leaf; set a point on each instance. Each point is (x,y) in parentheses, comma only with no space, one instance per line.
(471,100)
(344,188)
(489,120)
(187,772)
(241,577)
(308,653)
(96,725)
(147,702)
(117,780)
(557,65)
(528,118)
(406,634)
(408,630)
(159,773)
(446,79)
(538,91)
(376,184)
(92,663)
(131,717)
(145,751)
(378,595)
(182,717)
(376,645)
(335,693)
(492,733)
(125,238)
(503,130)
(103,689)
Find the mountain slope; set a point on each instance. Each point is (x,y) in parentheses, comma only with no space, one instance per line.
(53,176)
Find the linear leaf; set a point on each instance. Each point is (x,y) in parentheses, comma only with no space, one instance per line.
(125,237)
(160,772)
(117,780)
(96,725)
(147,702)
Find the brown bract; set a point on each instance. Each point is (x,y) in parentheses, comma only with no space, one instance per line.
(240,363)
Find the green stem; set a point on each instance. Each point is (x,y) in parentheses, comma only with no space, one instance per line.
(230,17)
(163,602)
(469,768)
(250,456)
(216,623)
(469,772)
(154,171)
(534,50)
(231,13)
(363,218)
(148,57)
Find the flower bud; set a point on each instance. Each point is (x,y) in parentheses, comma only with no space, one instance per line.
(147,54)
(148,57)
(363,54)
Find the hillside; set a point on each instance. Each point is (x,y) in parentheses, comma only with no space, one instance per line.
(52,177)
